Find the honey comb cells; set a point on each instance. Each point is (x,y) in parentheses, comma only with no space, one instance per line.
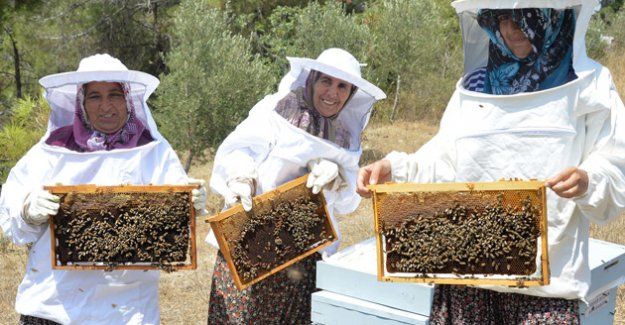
(270,239)
(123,228)
(460,233)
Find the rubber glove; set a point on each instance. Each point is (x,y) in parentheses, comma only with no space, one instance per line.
(242,178)
(38,206)
(242,190)
(198,195)
(324,173)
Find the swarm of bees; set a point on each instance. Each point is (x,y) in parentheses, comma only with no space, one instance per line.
(488,239)
(121,228)
(271,239)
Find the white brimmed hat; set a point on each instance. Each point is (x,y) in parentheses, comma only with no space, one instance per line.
(101,67)
(340,64)
(61,88)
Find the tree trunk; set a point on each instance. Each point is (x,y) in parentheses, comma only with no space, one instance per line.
(16,63)
(187,164)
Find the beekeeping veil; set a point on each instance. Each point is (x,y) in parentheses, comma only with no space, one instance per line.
(476,41)
(339,64)
(61,89)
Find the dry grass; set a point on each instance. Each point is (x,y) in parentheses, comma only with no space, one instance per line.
(184,294)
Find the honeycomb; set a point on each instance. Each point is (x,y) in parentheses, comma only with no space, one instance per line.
(284,226)
(114,229)
(465,231)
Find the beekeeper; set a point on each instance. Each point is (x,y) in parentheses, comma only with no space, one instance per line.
(532,105)
(100,131)
(312,124)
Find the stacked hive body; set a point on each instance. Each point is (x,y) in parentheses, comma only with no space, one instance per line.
(463,233)
(284,226)
(123,227)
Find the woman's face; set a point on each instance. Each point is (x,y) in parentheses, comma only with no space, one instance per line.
(514,37)
(330,94)
(105,106)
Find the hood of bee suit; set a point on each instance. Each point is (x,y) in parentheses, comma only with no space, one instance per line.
(593,81)
(475,40)
(340,64)
(61,88)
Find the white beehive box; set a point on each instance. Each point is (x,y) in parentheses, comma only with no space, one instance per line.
(353,272)
(351,293)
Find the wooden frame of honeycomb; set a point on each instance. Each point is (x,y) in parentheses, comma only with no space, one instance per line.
(284,226)
(125,227)
(462,233)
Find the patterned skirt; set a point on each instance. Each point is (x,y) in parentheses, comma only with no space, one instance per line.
(31,320)
(282,298)
(461,305)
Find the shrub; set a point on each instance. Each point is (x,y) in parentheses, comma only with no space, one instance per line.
(215,80)
(26,125)
(307,32)
(419,43)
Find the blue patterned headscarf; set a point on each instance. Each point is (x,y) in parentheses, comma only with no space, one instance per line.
(549,63)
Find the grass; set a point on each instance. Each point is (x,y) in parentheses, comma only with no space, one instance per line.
(184,294)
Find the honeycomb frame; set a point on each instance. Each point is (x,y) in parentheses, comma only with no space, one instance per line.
(142,200)
(231,227)
(435,214)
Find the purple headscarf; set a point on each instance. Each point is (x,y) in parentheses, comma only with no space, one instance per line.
(297,108)
(81,136)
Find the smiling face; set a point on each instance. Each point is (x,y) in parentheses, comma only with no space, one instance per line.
(514,37)
(330,94)
(105,106)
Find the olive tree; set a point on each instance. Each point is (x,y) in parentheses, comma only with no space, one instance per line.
(417,53)
(214,80)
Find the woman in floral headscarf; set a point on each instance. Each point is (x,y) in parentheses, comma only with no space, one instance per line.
(533,106)
(100,131)
(311,125)
(530,49)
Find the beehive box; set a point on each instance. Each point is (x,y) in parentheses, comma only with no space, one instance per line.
(127,227)
(284,226)
(462,233)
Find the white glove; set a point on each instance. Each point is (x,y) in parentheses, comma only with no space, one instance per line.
(242,190)
(242,178)
(198,195)
(38,206)
(324,173)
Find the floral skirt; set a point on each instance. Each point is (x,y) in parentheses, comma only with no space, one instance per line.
(31,320)
(461,305)
(282,298)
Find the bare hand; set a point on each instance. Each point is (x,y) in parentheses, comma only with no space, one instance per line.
(572,182)
(375,173)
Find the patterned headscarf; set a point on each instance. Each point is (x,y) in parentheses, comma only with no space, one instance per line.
(90,139)
(297,108)
(549,63)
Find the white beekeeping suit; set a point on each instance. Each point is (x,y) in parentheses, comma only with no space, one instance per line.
(279,152)
(86,297)
(534,135)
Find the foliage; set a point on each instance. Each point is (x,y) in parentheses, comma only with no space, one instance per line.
(307,32)
(418,44)
(12,15)
(607,23)
(134,31)
(216,62)
(26,125)
(214,80)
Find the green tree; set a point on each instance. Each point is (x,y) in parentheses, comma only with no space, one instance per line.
(416,55)
(134,31)
(214,80)
(308,31)
(11,74)
(26,125)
